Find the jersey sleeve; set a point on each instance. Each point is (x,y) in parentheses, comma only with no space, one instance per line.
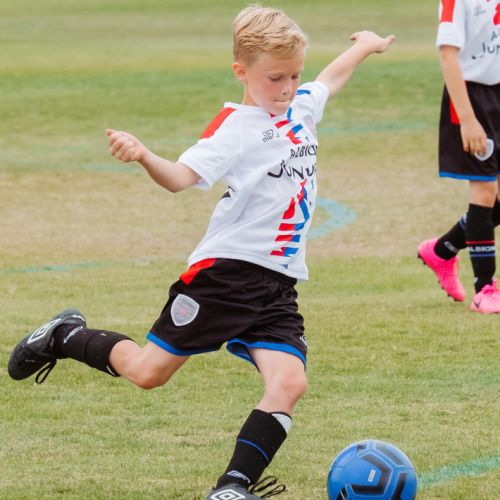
(312,98)
(216,151)
(451,30)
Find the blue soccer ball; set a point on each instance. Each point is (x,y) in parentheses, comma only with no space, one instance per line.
(372,470)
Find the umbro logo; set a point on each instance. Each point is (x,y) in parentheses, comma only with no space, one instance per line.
(41,332)
(228,494)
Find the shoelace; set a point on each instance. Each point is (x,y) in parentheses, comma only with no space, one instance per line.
(265,484)
(44,372)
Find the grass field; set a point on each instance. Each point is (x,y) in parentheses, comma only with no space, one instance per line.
(390,357)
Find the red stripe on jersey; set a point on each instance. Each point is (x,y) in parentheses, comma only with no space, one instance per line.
(292,137)
(453,114)
(496,19)
(284,237)
(282,123)
(216,122)
(290,212)
(447,12)
(193,270)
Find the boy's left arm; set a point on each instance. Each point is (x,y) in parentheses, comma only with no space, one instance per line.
(339,71)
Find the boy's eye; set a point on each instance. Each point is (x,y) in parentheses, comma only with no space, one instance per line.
(275,78)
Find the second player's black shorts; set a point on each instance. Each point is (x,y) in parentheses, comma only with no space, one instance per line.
(230,301)
(453,160)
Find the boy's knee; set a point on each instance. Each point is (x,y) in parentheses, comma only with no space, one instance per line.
(148,379)
(293,386)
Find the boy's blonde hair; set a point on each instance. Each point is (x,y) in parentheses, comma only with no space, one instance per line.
(258,30)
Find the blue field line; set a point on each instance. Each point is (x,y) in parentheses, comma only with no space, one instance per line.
(338,216)
(451,472)
(60,268)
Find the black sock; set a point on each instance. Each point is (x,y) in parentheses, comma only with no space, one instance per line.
(480,235)
(453,241)
(259,439)
(88,346)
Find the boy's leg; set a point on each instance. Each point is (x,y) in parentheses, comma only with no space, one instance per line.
(67,336)
(441,254)
(450,243)
(147,367)
(480,232)
(268,424)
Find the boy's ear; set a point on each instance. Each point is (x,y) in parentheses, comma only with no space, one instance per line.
(240,71)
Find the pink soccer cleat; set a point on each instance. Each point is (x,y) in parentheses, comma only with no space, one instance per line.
(445,270)
(487,301)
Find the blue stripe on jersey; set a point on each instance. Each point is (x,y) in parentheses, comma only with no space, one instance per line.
(240,348)
(290,251)
(303,91)
(173,350)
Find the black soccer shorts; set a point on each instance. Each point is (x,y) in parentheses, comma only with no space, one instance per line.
(219,301)
(453,160)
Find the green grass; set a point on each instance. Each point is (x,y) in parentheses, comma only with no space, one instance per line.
(390,357)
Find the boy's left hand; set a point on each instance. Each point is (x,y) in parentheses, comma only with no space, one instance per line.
(374,41)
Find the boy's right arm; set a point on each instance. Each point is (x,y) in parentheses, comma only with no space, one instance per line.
(472,132)
(172,176)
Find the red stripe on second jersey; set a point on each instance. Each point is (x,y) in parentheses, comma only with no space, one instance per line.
(453,114)
(216,122)
(447,12)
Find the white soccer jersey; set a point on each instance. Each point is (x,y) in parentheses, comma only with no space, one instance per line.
(269,165)
(474,27)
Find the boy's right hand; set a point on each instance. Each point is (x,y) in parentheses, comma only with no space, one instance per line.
(124,146)
(473,136)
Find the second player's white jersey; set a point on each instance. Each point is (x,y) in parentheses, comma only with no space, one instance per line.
(269,165)
(474,27)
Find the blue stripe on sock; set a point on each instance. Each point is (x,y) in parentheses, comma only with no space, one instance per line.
(255,446)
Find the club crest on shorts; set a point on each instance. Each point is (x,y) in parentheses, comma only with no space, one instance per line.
(184,310)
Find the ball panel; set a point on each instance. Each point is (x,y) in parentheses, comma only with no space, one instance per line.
(371,469)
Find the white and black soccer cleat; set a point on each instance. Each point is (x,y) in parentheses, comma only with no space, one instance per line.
(234,491)
(35,353)
(231,491)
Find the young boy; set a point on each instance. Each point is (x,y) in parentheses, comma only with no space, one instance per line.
(469,145)
(239,287)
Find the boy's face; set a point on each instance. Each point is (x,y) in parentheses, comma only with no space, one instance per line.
(269,82)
